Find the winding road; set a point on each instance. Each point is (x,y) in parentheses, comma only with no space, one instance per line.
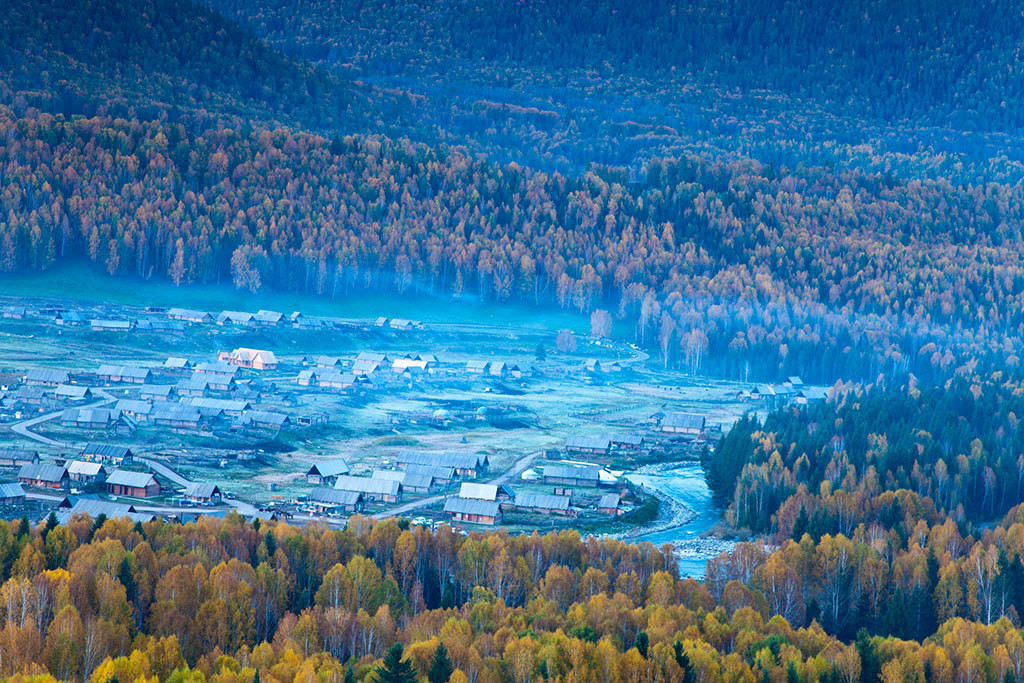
(23,428)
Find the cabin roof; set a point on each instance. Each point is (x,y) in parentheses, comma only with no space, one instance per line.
(334,496)
(133,479)
(88,469)
(42,472)
(572,471)
(683,420)
(442,459)
(469,506)
(602,443)
(106,450)
(329,468)
(347,482)
(44,375)
(11,489)
(202,489)
(478,491)
(542,501)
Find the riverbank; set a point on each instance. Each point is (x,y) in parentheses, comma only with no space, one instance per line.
(671,512)
(703,548)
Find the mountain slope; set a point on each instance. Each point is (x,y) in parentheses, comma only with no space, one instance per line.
(124,57)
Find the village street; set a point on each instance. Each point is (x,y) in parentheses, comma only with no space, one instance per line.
(23,428)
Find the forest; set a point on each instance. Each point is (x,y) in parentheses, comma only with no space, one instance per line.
(708,260)
(313,152)
(224,600)
(755,190)
(953,449)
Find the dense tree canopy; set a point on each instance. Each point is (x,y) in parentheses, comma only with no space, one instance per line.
(746,235)
(222,600)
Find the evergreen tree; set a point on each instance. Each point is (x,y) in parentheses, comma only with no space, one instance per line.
(394,669)
(51,524)
(97,523)
(440,666)
(800,525)
(812,612)
(350,676)
(684,662)
(270,542)
(870,667)
(447,596)
(124,575)
(641,643)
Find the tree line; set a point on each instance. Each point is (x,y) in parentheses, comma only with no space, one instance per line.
(225,600)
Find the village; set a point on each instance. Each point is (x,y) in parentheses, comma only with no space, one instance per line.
(175,412)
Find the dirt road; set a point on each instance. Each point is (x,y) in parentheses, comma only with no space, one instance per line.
(23,428)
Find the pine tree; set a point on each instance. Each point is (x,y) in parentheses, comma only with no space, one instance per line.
(800,525)
(51,524)
(447,597)
(97,523)
(870,667)
(440,666)
(127,579)
(641,643)
(684,662)
(394,669)
(350,676)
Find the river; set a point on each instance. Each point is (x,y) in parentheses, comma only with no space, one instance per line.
(685,484)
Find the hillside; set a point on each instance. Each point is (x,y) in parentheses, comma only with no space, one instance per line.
(919,89)
(156,59)
(750,191)
(719,228)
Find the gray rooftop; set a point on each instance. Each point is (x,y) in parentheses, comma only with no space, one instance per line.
(442,459)
(683,421)
(175,413)
(572,471)
(367,485)
(329,468)
(469,506)
(11,489)
(128,405)
(542,501)
(90,415)
(106,450)
(334,496)
(128,478)
(600,443)
(201,490)
(41,472)
(57,376)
